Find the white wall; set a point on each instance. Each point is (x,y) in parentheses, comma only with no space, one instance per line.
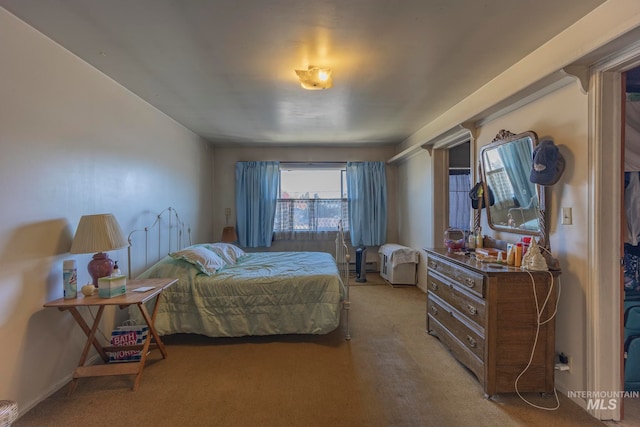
(73,142)
(416,210)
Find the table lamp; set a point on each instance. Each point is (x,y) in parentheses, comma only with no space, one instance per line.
(98,233)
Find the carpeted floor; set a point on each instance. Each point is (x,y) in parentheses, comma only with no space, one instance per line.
(390,374)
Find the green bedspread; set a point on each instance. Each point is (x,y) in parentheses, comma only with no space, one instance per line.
(264,293)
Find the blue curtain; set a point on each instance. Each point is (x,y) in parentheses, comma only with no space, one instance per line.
(367,200)
(459,201)
(517,159)
(256,199)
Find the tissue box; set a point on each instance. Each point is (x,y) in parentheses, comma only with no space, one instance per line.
(109,287)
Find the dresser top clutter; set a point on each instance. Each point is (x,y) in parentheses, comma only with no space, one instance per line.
(469,261)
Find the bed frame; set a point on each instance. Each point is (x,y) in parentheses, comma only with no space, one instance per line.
(342,260)
(176,232)
(173,234)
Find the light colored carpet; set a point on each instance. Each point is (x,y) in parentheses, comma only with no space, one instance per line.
(390,374)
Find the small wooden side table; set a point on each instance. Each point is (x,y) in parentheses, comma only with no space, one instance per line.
(131,297)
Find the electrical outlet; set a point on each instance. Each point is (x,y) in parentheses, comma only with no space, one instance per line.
(564,363)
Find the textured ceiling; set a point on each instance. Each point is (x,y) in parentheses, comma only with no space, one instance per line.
(225,69)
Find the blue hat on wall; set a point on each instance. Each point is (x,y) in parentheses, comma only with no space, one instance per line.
(548,163)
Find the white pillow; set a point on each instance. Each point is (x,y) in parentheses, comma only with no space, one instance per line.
(206,261)
(228,252)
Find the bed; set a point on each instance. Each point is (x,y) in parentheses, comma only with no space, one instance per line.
(223,291)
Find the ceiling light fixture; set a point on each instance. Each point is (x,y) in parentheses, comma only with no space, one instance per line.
(315,78)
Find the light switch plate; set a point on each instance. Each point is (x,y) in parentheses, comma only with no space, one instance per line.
(567,218)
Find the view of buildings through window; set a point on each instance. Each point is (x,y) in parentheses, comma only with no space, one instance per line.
(311,199)
(311,183)
(499,181)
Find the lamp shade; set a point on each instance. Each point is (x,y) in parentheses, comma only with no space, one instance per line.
(98,233)
(229,234)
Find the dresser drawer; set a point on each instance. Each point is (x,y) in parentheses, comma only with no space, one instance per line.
(458,349)
(457,324)
(467,303)
(472,281)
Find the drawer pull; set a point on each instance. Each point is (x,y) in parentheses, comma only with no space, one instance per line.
(434,286)
(434,310)
(472,310)
(433,265)
(472,342)
(469,282)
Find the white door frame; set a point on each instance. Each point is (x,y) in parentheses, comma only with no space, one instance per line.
(604,304)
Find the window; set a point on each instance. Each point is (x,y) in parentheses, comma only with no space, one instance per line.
(499,181)
(313,199)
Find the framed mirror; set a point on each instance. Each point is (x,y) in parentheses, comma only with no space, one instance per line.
(514,203)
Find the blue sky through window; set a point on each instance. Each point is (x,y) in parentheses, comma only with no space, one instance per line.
(312,184)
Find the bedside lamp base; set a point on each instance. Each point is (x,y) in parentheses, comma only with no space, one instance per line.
(100,266)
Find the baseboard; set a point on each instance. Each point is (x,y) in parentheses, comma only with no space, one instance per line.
(369,267)
(54,388)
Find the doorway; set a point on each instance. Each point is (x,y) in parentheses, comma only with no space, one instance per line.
(631,236)
(460,183)
(605,369)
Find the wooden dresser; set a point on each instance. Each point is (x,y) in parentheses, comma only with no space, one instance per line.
(486,316)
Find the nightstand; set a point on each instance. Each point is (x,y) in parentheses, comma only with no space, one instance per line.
(131,297)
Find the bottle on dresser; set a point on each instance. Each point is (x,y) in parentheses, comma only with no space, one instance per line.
(518,255)
(116,270)
(471,240)
(479,238)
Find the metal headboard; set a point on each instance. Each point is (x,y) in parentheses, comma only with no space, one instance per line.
(342,260)
(177,233)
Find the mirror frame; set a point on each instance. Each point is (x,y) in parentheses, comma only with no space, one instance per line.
(504,137)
